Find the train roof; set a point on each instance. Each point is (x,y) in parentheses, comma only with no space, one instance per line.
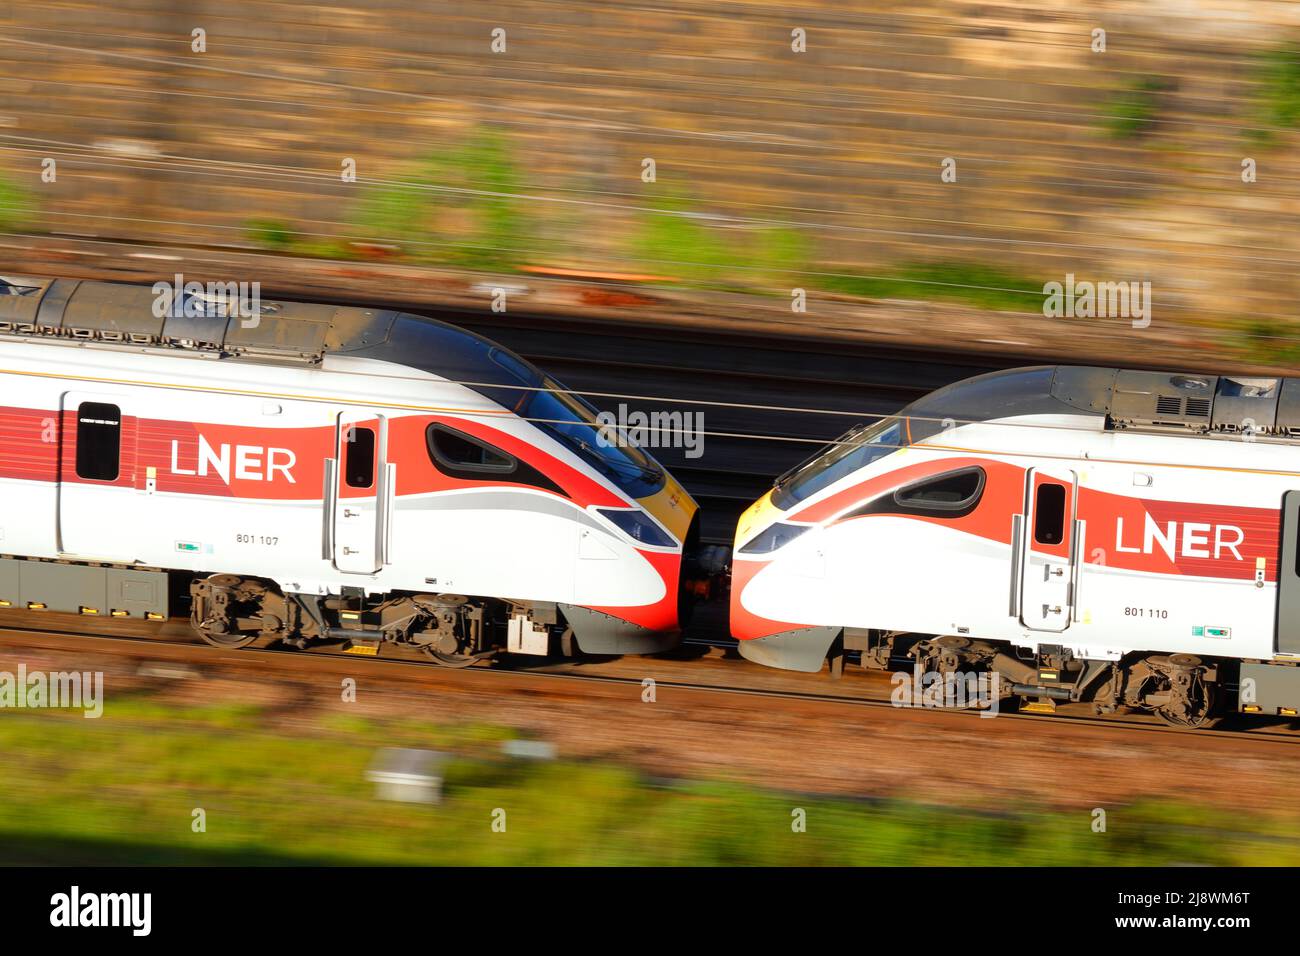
(1123,398)
(303,333)
(284,331)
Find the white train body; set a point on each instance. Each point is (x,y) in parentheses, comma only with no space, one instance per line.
(326,451)
(1093,510)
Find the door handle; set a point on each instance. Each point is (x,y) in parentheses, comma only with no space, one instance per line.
(349,513)
(1051,610)
(1059,572)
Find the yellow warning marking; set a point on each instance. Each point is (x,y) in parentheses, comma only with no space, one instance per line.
(366,650)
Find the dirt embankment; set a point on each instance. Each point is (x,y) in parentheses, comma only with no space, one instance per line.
(781,744)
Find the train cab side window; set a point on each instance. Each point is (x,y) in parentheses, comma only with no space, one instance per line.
(954,491)
(99,441)
(1049,514)
(359,457)
(463,456)
(453,452)
(953,494)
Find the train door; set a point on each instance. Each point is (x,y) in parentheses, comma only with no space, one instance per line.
(98,508)
(362,482)
(1047,553)
(1288,577)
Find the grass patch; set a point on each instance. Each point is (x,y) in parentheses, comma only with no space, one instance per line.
(1133,111)
(273,235)
(682,240)
(16,206)
(123,789)
(1270,342)
(458,206)
(675,239)
(1278,92)
(982,286)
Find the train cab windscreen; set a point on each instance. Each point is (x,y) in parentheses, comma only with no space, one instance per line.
(574,423)
(858,447)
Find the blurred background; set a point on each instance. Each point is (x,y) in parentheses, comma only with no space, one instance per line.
(781,158)
(943,151)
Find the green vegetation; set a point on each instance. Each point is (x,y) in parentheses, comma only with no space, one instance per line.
(1133,111)
(458,206)
(679,239)
(271,234)
(982,286)
(676,239)
(122,789)
(16,208)
(1278,96)
(1271,342)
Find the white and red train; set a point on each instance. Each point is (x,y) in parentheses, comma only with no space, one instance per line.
(1122,537)
(320,473)
(314,473)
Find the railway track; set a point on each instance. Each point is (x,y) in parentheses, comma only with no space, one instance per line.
(678,673)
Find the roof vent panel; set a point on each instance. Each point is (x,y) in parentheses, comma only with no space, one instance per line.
(1169,405)
(1146,399)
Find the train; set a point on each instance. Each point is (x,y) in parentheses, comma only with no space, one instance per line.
(307,473)
(318,474)
(1118,537)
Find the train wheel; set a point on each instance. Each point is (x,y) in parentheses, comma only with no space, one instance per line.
(1199,714)
(1186,721)
(218,602)
(1191,697)
(451,660)
(227,641)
